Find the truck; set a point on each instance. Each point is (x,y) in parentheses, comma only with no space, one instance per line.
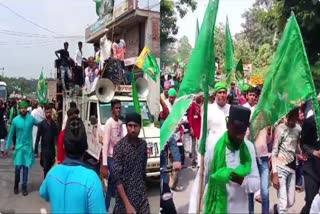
(95,110)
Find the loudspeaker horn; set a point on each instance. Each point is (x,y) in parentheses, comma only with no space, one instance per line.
(142,87)
(105,90)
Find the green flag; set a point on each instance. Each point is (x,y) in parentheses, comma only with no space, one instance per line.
(42,89)
(136,102)
(147,62)
(200,73)
(288,83)
(229,54)
(240,75)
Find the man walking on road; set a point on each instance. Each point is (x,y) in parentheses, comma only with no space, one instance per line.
(112,135)
(234,170)
(72,187)
(38,114)
(130,161)
(48,132)
(23,155)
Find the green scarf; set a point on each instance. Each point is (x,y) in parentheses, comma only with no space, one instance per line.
(216,198)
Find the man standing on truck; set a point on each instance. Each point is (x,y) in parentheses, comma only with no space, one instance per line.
(65,65)
(78,72)
(112,135)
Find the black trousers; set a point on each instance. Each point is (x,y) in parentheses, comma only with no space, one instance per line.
(46,161)
(167,206)
(181,150)
(311,188)
(78,76)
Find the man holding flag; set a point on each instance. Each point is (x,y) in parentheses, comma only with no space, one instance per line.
(288,84)
(219,111)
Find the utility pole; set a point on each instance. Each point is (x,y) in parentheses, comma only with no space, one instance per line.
(2,71)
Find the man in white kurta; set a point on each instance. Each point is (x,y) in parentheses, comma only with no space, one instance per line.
(38,114)
(217,113)
(242,174)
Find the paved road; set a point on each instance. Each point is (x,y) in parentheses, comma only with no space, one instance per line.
(182,195)
(33,203)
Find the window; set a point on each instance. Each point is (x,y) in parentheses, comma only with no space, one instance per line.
(126,107)
(93,110)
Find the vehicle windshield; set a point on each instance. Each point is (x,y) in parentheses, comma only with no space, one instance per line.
(126,107)
(3,92)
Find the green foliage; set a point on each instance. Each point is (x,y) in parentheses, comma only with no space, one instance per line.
(184,49)
(27,86)
(169,11)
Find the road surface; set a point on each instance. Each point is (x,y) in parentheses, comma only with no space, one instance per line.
(32,203)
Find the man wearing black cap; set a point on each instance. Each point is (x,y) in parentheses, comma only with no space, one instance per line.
(72,187)
(130,160)
(233,171)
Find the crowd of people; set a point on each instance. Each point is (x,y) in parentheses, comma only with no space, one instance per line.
(85,72)
(285,155)
(71,183)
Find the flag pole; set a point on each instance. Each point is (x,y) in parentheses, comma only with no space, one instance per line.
(143,131)
(203,139)
(199,197)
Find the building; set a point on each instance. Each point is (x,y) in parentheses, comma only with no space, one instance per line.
(137,22)
(52,88)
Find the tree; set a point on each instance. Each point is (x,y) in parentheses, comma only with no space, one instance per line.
(184,49)
(169,55)
(169,10)
(308,16)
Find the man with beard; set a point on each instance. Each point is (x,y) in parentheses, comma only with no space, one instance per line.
(47,131)
(23,155)
(219,110)
(233,170)
(130,161)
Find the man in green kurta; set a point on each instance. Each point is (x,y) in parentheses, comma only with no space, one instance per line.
(23,154)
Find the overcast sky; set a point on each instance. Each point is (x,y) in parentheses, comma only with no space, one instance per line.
(23,56)
(233,8)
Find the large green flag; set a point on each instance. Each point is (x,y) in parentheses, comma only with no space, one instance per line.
(200,73)
(147,63)
(288,83)
(229,54)
(240,74)
(42,89)
(136,102)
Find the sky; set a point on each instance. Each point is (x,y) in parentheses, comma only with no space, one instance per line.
(233,8)
(24,55)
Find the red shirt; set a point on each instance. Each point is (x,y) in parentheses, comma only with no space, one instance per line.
(194,118)
(61,152)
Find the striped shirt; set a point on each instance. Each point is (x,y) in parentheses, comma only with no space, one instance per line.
(285,146)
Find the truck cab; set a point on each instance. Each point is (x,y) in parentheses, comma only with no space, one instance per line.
(95,113)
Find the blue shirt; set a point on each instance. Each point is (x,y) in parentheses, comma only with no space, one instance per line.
(73,189)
